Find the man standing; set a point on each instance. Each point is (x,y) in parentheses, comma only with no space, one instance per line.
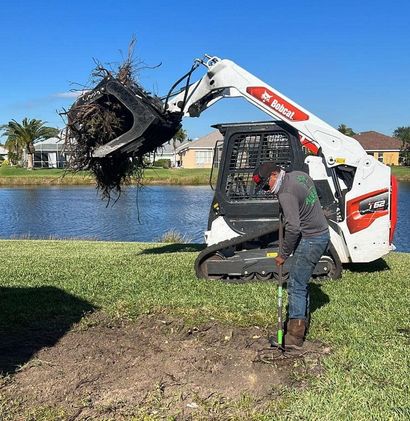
(306,236)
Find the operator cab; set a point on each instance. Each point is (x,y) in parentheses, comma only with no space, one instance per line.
(245,146)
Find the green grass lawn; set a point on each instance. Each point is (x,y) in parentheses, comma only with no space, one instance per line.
(16,176)
(42,176)
(176,176)
(364,317)
(7,171)
(195,176)
(402,173)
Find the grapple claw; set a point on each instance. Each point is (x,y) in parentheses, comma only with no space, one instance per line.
(144,126)
(112,127)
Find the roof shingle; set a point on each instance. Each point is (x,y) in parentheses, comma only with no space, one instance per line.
(205,142)
(374,141)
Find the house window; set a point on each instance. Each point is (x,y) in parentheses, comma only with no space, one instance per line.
(380,157)
(203,157)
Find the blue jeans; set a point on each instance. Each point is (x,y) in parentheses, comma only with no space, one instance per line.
(307,254)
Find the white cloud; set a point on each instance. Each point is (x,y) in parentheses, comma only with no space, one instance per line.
(70,94)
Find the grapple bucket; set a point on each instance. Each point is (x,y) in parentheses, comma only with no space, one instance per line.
(144,126)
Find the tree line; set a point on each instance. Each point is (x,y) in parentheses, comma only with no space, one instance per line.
(21,137)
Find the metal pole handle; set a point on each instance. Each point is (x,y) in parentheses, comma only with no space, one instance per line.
(280,283)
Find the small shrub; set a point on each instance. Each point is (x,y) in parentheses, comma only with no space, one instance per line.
(5,163)
(163,163)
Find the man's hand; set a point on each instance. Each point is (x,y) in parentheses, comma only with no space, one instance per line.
(279,260)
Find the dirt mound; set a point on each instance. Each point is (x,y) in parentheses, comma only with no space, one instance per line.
(156,365)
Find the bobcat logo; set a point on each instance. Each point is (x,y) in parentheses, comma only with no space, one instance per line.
(266,97)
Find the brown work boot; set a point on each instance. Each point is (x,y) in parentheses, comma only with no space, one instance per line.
(295,334)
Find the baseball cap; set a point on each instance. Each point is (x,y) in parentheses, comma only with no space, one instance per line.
(262,173)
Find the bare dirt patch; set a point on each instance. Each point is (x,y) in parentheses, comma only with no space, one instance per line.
(157,365)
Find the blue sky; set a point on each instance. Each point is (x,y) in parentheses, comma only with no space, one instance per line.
(345,61)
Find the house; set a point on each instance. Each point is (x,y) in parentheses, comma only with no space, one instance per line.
(199,153)
(50,153)
(384,148)
(3,153)
(167,151)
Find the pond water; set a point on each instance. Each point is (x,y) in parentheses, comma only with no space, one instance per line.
(402,233)
(78,212)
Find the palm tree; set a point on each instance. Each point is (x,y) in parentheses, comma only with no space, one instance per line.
(403,133)
(13,149)
(180,136)
(346,130)
(21,137)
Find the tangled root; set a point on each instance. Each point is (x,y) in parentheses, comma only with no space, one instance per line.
(94,124)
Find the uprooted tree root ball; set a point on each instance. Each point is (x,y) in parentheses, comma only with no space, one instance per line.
(90,126)
(99,117)
(113,172)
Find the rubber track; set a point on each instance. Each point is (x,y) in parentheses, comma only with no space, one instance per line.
(204,254)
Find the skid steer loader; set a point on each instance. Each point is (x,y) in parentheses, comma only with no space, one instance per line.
(356,191)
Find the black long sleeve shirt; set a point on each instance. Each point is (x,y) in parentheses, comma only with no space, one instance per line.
(301,208)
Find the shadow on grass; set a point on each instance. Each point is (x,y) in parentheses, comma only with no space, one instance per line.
(378,265)
(34,318)
(174,248)
(318,298)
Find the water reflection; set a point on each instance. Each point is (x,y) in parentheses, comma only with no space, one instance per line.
(78,212)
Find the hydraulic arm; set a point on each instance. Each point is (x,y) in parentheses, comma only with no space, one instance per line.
(358,180)
(225,79)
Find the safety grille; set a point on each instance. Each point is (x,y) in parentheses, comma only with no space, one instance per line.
(247,153)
